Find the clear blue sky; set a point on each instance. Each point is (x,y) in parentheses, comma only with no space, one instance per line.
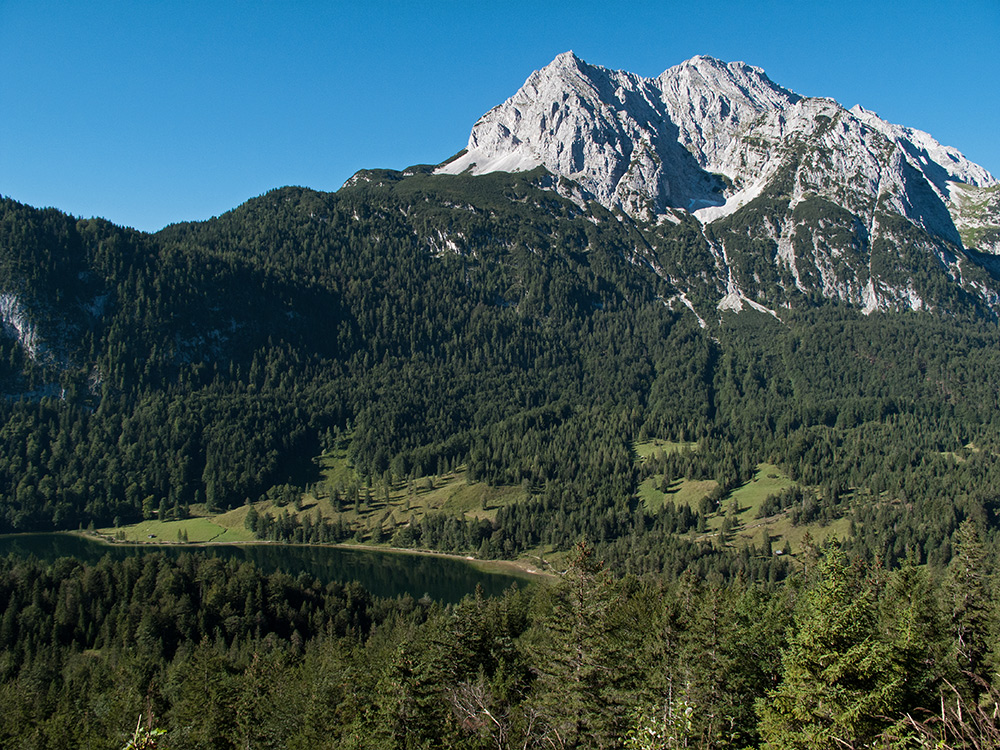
(149,112)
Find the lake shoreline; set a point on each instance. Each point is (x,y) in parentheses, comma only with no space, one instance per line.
(516,568)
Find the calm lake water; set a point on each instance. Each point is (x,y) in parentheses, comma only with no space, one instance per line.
(382,573)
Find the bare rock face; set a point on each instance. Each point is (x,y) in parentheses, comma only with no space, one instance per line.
(813,197)
(711,102)
(637,144)
(648,146)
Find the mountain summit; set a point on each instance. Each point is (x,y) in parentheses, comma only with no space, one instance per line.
(650,145)
(644,145)
(717,140)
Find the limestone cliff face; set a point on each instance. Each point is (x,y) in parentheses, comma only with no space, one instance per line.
(722,142)
(644,145)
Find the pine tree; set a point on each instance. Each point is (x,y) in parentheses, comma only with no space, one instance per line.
(968,591)
(913,623)
(584,673)
(839,678)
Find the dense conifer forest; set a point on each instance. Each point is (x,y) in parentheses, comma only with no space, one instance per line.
(206,654)
(427,323)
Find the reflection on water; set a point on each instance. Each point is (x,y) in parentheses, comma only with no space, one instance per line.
(382,573)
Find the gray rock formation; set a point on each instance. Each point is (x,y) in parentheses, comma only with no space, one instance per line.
(818,189)
(707,137)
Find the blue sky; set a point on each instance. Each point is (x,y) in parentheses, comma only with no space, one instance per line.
(148,112)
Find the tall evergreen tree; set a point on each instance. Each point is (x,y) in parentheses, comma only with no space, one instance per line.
(839,677)
(968,591)
(584,674)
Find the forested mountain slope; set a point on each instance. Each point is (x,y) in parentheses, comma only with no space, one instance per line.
(439,320)
(831,311)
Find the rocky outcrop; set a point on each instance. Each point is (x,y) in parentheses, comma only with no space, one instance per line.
(17,324)
(632,143)
(707,137)
(840,202)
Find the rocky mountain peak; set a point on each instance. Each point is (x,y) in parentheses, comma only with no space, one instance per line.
(649,146)
(567,59)
(637,144)
(804,195)
(711,101)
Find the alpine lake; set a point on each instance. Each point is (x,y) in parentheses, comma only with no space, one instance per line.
(384,573)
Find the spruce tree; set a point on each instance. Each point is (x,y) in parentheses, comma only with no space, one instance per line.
(584,673)
(839,678)
(968,590)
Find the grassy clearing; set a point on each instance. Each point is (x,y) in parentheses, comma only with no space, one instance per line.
(381,505)
(769,480)
(368,504)
(647,448)
(650,495)
(165,532)
(334,466)
(453,493)
(680,492)
(390,505)
(544,559)
(233,521)
(783,530)
(690,491)
(747,499)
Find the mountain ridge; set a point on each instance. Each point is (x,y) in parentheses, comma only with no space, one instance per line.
(421,322)
(704,101)
(712,140)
